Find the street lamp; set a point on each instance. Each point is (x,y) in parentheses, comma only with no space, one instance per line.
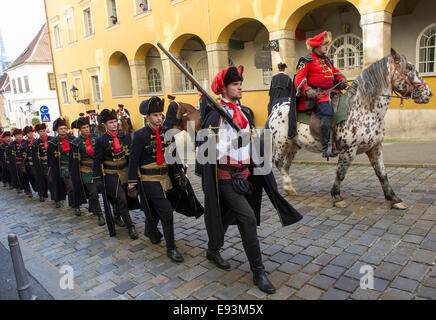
(75,94)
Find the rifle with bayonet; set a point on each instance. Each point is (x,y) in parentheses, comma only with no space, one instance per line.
(214,104)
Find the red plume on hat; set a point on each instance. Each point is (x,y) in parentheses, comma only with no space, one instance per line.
(218,82)
(318,40)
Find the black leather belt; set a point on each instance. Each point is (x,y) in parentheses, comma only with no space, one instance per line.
(107,167)
(232,169)
(154,172)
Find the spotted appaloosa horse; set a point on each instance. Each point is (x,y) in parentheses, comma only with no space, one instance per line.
(368,99)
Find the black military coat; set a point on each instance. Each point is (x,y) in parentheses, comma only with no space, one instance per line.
(40,164)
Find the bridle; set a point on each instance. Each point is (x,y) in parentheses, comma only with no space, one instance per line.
(410,88)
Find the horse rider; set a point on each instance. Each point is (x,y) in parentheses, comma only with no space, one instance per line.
(82,150)
(232,193)
(315,76)
(110,167)
(156,179)
(58,153)
(281,86)
(171,115)
(125,113)
(40,162)
(92,120)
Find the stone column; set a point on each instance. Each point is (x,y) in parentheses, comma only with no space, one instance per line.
(376,30)
(217,57)
(139,77)
(172,75)
(286,53)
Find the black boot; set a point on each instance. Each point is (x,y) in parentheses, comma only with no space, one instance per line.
(29,194)
(174,255)
(129,225)
(215,257)
(58,204)
(155,238)
(261,281)
(77,212)
(118,221)
(132,232)
(41,199)
(325,130)
(101,221)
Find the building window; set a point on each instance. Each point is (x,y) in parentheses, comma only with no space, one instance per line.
(112,13)
(186,84)
(20,86)
(51,81)
(154,81)
(26,84)
(346,52)
(141,6)
(79,86)
(426,50)
(71,30)
(57,36)
(65,97)
(14,86)
(87,21)
(96,88)
(267,76)
(202,72)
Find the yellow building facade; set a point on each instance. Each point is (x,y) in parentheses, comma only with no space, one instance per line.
(107,48)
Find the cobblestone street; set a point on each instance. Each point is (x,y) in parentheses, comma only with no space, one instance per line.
(318,258)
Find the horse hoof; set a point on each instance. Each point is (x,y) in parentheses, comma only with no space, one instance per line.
(291,192)
(340,204)
(399,206)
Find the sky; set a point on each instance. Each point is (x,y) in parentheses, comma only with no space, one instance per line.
(20,21)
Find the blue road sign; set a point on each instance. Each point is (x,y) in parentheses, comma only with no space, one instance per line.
(43,109)
(45,117)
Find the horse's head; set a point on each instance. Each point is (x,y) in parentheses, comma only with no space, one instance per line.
(406,79)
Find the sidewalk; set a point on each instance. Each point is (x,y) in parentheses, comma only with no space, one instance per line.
(395,154)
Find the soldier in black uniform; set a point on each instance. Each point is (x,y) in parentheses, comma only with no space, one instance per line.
(1,157)
(28,157)
(157,182)
(81,153)
(110,166)
(125,113)
(4,158)
(40,162)
(58,153)
(18,170)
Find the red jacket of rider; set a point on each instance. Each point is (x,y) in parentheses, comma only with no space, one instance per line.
(317,72)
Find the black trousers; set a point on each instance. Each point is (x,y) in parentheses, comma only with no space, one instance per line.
(94,203)
(116,190)
(69,187)
(246,221)
(22,179)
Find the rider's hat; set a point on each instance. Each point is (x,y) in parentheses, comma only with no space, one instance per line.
(318,40)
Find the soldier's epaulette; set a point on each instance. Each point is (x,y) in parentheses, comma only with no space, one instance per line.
(75,142)
(54,142)
(303,60)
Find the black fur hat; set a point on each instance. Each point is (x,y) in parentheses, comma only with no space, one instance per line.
(6,134)
(58,123)
(82,121)
(152,105)
(27,129)
(17,131)
(108,115)
(233,75)
(40,126)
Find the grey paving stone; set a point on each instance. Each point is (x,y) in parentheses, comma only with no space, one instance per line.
(426,292)
(301,259)
(298,280)
(322,282)
(395,294)
(280,257)
(333,271)
(404,284)
(168,286)
(335,294)
(106,268)
(289,267)
(309,293)
(148,295)
(324,259)
(347,284)
(372,258)
(387,270)
(414,271)
(125,286)
(345,260)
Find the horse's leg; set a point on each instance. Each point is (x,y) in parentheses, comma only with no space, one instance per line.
(344,162)
(375,156)
(284,170)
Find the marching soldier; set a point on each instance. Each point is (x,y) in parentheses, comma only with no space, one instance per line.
(110,166)
(28,157)
(92,120)
(6,175)
(40,162)
(159,188)
(82,150)
(125,113)
(18,170)
(232,192)
(58,162)
(315,76)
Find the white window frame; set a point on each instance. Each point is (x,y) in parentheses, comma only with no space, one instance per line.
(57,36)
(418,47)
(73,27)
(65,96)
(85,29)
(346,46)
(109,13)
(94,71)
(20,85)
(26,84)
(153,85)
(14,86)
(138,11)
(48,80)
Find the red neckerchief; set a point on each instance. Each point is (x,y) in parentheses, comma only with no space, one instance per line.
(45,142)
(159,154)
(88,146)
(19,143)
(116,143)
(31,141)
(121,111)
(238,117)
(65,144)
